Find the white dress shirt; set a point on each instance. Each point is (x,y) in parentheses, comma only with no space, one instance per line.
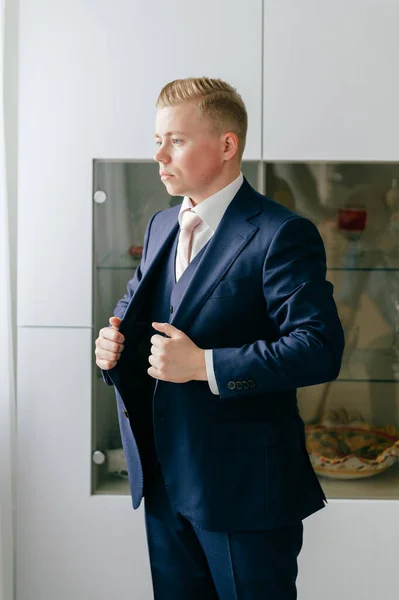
(211,212)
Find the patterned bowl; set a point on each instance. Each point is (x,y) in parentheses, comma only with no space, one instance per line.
(351,449)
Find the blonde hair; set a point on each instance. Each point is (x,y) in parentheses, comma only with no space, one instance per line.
(216,99)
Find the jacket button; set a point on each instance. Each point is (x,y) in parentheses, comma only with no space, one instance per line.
(245,385)
(238,385)
(125,413)
(171,309)
(251,383)
(231,385)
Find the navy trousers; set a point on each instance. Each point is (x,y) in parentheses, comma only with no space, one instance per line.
(188,563)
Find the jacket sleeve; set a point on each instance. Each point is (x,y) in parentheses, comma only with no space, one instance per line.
(132,285)
(300,302)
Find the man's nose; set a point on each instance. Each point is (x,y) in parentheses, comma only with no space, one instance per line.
(161,155)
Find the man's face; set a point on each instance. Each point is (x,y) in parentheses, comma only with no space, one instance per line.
(188,151)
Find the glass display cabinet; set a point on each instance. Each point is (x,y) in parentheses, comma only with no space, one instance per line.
(125,196)
(352,424)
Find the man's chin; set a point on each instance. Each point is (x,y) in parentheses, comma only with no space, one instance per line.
(173,188)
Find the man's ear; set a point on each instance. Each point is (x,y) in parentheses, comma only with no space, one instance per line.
(230,144)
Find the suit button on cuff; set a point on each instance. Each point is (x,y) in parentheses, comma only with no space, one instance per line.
(245,385)
(238,385)
(251,383)
(231,385)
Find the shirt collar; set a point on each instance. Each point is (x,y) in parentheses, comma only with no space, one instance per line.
(212,209)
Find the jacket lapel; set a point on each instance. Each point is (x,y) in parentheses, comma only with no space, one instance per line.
(165,233)
(230,238)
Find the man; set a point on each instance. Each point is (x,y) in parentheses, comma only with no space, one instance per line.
(224,318)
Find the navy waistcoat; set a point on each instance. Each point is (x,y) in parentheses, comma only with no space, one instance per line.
(165,298)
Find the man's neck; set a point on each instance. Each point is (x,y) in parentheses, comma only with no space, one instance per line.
(215,187)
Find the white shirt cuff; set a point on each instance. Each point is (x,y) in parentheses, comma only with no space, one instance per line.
(210,372)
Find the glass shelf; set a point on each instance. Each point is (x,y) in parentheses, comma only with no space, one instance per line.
(119,259)
(379,487)
(383,486)
(113,486)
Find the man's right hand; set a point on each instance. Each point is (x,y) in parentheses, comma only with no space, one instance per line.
(109,345)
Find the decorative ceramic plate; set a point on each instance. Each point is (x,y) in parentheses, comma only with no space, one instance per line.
(351,450)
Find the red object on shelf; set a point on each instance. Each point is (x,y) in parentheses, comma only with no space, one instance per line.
(136,251)
(352,218)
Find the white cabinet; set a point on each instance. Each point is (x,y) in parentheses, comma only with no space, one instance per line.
(90,75)
(70,544)
(350,552)
(331,90)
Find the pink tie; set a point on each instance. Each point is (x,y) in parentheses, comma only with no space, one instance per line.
(190,220)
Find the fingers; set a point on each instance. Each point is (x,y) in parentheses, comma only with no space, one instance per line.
(159,352)
(160,341)
(153,360)
(107,354)
(106,359)
(115,322)
(167,328)
(112,334)
(109,346)
(105,365)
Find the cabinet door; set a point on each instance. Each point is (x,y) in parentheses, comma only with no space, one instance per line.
(333,538)
(70,544)
(330,85)
(90,74)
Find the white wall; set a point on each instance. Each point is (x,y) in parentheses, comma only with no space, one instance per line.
(89,76)
(11,135)
(7,420)
(76,104)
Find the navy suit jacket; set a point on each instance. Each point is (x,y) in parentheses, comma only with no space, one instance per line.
(260,300)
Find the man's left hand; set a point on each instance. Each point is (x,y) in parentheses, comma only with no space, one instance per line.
(175,358)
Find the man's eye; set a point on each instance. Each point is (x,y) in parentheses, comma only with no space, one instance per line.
(176,140)
(158,143)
